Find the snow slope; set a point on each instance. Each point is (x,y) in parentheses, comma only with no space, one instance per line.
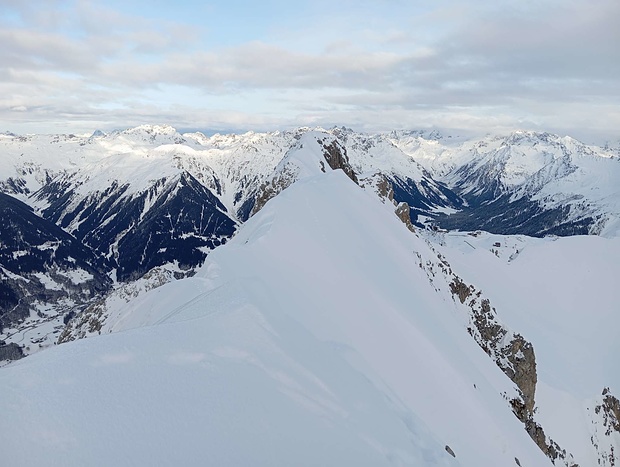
(311,338)
(561,293)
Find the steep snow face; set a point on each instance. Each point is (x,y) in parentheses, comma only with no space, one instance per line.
(312,338)
(561,293)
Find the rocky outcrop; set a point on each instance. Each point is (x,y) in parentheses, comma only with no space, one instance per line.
(522,368)
(514,356)
(336,157)
(88,322)
(460,289)
(273,187)
(547,445)
(510,351)
(95,317)
(384,188)
(611,409)
(380,185)
(402,212)
(289,170)
(605,429)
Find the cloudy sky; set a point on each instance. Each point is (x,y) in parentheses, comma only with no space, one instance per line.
(482,66)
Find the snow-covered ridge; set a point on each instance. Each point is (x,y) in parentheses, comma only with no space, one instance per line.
(296,364)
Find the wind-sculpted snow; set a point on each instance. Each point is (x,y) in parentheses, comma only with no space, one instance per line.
(311,338)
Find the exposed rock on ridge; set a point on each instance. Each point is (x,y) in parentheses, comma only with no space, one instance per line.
(510,351)
(336,157)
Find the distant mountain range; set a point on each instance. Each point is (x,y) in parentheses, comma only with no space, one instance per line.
(149,197)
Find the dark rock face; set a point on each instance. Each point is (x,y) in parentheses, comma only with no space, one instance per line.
(515,356)
(336,157)
(402,212)
(385,189)
(245,210)
(510,351)
(459,288)
(549,447)
(185,220)
(33,249)
(610,409)
(606,428)
(520,354)
(14,186)
(271,188)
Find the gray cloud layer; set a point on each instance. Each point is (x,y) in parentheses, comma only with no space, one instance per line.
(549,64)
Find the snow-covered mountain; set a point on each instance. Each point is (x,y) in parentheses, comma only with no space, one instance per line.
(525,183)
(275,353)
(260,290)
(149,197)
